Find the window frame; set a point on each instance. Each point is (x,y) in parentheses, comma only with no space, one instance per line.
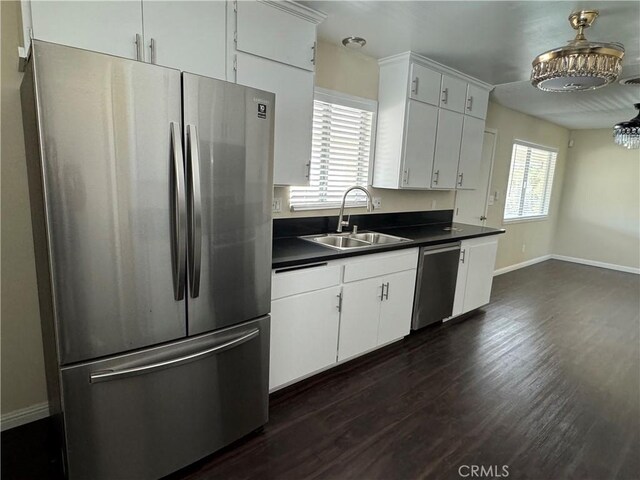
(529,218)
(351,101)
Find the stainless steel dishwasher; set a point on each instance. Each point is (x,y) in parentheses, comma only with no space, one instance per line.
(435,284)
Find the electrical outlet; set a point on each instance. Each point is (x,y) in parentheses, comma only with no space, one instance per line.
(524,247)
(377,202)
(276,205)
(491,199)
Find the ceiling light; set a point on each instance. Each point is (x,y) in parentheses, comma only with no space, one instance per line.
(627,134)
(354,42)
(581,65)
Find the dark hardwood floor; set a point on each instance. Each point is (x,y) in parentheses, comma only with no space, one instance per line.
(545,381)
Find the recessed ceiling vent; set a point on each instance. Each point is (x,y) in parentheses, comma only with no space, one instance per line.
(630,81)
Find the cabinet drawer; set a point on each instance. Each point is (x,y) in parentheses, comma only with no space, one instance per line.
(286,282)
(272,33)
(380,264)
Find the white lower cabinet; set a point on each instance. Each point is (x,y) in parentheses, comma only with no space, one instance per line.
(377,301)
(475,274)
(360,317)
(304,334)
(323,314)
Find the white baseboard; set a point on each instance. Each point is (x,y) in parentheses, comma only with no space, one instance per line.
(593,263)
(518,266)
(24,415)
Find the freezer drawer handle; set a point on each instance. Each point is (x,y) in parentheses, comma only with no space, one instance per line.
(195,210)
(179,220)
(108,375)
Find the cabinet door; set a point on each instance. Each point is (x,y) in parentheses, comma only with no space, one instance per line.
(420,141)
(477,102)
(360,317)
(187,35)
(425,84)
(470,153)
(273,33)
(397,306)
(294,113)
(304,334)
(482,259)
(447,153)
(461,282)
(453,94)
(101,26)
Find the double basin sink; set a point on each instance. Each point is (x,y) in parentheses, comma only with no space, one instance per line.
(350,241)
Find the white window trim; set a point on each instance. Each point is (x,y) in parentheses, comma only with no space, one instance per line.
(332,96)
(531,218)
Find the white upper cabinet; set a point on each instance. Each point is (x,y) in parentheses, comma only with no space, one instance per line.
(187,35)
(293,113)
(102,26)
(420,142)
(477,102)
(270,30)
(425,84)
(470,153)
(419,133)
(447,154)
(274,49)
(453,93)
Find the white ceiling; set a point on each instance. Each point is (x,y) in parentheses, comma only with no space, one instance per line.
(495,42)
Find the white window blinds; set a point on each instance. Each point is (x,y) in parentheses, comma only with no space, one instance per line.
(343,129)
(530,182)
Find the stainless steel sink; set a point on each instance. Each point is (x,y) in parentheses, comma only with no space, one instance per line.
(350,241)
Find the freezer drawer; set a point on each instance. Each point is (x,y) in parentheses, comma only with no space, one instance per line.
(147,414)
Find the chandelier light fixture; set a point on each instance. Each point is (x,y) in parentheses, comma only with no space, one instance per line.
(627,134)
(581,65)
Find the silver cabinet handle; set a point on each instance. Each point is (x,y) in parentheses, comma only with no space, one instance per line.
(386,296)
(460,181)
(179,218)
(307,167)
(382,292)
(339,306)
(445,95)
(108,375)
(462,255)
(138,42)
(470,102)
(415,83)
(194,211)
(482,217)
(152,47)
(313,54)
(437,174)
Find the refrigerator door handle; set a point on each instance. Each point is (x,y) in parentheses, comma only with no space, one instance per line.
(195,210)
(179,242)
(108,375)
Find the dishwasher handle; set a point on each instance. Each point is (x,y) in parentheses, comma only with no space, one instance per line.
(435,250)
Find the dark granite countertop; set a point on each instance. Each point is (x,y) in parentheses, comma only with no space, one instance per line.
(291,251)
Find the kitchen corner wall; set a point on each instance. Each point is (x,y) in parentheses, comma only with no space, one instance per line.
(353,73)
(523,241)
(23,382)
(600,208)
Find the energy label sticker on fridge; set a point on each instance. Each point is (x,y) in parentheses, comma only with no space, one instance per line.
(262,110)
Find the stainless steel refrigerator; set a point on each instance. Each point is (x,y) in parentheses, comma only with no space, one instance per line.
(151,208)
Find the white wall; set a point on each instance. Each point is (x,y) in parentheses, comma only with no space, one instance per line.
(600,207)
(536,237)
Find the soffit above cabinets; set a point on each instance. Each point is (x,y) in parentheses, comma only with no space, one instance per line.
(496,41)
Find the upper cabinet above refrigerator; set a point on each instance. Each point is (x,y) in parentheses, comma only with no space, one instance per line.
(187,35)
